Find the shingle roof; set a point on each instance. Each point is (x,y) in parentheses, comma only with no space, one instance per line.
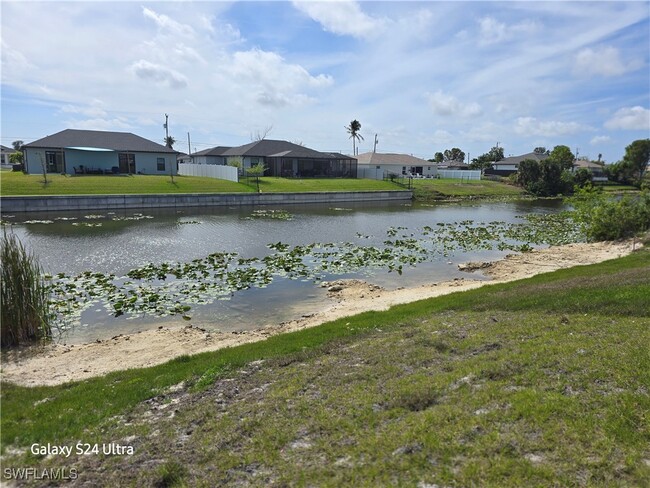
(117,141)
(518,159)
(213,151)
(391,158)
(275,148)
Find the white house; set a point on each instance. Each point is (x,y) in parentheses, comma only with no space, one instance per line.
(74,151)
(374,165)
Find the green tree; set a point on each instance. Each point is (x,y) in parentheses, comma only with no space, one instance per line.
(256,172)
(637,158)
(353,129)
(582,177)
(528,174)
(485,161)
(438,157)
(454,155)
(563,156)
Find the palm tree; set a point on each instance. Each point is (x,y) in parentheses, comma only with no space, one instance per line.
(353,129)
(169,142)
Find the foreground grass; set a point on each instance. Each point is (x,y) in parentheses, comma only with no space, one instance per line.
(541,382)
(16,183)
(444,189)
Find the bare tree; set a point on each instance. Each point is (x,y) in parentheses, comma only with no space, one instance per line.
(260,135)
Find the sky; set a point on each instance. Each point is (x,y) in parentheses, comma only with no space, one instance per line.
(420,76)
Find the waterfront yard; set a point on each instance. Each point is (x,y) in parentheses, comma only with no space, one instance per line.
(443,189)
(14,184)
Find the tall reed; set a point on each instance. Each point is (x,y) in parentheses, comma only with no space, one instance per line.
(25,310)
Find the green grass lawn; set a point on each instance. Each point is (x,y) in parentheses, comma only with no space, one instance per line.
(540,382)
(15,183)
(270,184)
(436,189)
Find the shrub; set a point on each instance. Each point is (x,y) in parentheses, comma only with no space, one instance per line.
(25,308)
(607,218)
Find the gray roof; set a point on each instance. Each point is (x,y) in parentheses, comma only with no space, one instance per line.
(6,149)
(274,149)
(518,159)
(371,158)
(213,151)
(116,141)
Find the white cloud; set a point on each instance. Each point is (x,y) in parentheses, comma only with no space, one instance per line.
(449,106)
(342,18)
(96,109)
(604,61)
(274,81)
(148,71)
(168,24)
(491,31)
(630,118)
(100,124)
(530,126)
(599,140)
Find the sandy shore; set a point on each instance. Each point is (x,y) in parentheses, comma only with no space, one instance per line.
(55,364)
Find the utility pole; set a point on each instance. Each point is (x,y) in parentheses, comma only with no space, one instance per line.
(189,146)
(166,126)
(374,149)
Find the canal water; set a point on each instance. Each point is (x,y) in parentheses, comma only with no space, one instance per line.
(118,241)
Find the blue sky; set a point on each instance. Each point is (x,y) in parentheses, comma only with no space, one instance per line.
(423,76)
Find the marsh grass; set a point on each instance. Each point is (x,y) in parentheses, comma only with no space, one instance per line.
(25,309)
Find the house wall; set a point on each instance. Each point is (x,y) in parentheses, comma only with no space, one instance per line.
(505,167)
(146,163)
(376,171)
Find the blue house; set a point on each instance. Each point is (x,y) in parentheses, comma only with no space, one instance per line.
(74,151)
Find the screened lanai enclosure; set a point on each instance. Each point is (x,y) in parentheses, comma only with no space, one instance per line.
(338,166)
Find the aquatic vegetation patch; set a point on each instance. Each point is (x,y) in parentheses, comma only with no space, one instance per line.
(171,288)
(270,214)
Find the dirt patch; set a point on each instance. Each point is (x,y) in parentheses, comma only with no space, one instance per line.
(56,364)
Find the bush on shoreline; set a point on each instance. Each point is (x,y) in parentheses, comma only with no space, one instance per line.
(607,218)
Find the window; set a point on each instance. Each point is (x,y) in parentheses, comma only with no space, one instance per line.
(161,164)
(378,167)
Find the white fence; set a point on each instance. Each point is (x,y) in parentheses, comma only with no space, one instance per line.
(460,174)
(219,171)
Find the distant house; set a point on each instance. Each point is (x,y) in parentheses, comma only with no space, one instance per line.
(375,165)
(74,151)
(5,152)
(453,165)
(213,155)
(597,169)
(510,164)
(282,158)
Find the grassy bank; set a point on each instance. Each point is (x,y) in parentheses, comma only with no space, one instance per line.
(445,189)
(533,383)
(22,184)
(270,184)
